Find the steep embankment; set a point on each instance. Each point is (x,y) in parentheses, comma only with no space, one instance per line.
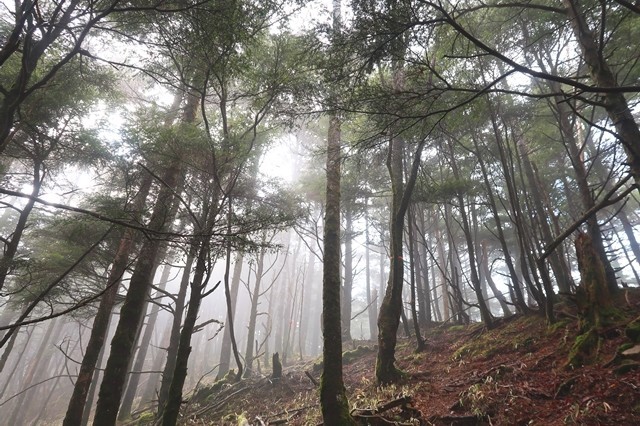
(516,373)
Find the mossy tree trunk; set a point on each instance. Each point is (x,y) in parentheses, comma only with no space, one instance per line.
(593,299)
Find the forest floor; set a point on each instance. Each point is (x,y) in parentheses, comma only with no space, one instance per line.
(514,374)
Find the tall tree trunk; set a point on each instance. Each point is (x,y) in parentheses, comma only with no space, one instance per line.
(444,284)
(333,401)
(371,296)
(422,270)
(308,299)
(515,282)
(76,407)
(420,343)
(35,365)
(253,314)
(614,101)
(174,398)
(145,341)
(391,307)
(227,293)
(174,338)
(131,313)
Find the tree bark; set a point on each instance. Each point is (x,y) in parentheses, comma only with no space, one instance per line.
(174,339)
(253,314)
(371,295)
(174,397)
(76,407)
(333,401)
(420,343)
(145,341)
(347,286)
(122,344)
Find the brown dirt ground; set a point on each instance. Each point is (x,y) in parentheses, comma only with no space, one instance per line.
(514,374)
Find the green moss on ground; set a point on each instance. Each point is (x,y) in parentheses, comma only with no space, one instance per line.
(517,335)
(584,349)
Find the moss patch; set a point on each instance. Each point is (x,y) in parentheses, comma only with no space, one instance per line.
(632,331)
(520,334)
(584,349)
(347,357)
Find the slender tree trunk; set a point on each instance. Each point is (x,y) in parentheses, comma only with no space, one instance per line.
(348,276)
(422,270)
(420,343)
(556,260)
(174,397)
(371,296)
(174,339)
(11,248)
(35,365)
(515,282)
(301,316)
(230,310)
(305,317)
(225,352)
(443,273)
(629,232)
(253,314)
(484,264)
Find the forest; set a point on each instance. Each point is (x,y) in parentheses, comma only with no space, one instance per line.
(365,212)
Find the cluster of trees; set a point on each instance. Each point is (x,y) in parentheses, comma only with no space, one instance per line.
(463,146)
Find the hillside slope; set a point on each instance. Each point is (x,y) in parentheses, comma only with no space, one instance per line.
(515,374)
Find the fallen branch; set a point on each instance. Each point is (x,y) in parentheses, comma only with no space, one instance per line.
(399,402)
(288,413)
(218,404)
(314,381)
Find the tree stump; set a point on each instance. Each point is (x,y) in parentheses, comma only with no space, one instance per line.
(277,366)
